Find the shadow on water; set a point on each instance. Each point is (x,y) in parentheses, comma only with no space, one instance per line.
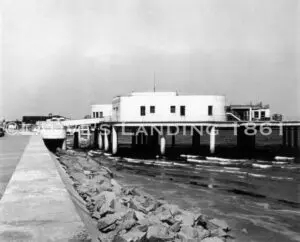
(266,152)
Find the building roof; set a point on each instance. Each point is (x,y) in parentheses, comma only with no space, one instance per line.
(247,106)
(170,94)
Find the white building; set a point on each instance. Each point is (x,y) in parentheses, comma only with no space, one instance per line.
(101,111)
(250,112)
(168,107)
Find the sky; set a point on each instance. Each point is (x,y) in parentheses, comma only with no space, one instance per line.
(61,56)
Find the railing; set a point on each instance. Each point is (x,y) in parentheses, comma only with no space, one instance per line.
(234,116)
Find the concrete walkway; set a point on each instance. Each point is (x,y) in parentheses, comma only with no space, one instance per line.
(11,150)
(36,205)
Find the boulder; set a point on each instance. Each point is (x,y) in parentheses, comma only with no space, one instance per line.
(175,228)
(202,233)
(96,215)
(152,206)
(108,221)
(201,220)
(108,171)
(105,185)
(159,233)
(127,221)
(139,215)
(106,202)
(142,228)
(187,218)
(102,198)
(166,217)
(150,220)
(132,236)
(219,223)
(99,177)
(135,204)
(110,228)
(187,233)
(127,224)
(174,209)
(127,191)
(117,189)
(218,232)
(212,239)
(125,200)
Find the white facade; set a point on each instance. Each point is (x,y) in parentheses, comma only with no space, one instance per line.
(101,111)
(168,107)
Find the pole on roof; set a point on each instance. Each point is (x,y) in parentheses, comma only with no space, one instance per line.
(154,84)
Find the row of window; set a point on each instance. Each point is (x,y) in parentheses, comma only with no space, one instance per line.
(173,110)
(262,114)
(97,114)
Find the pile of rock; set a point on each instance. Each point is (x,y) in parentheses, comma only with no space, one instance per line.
(129,214)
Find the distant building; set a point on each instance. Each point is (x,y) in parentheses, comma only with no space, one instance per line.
(167,107)
(101,111)
(249,112)
(35,119)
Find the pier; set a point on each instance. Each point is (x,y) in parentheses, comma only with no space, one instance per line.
(153,135)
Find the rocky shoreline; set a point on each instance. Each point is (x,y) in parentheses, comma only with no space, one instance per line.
(129,214)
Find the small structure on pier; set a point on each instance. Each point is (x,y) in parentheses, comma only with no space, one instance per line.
(103,111)
(249,112)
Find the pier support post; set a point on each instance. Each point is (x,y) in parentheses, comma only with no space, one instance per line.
(245,142)
(196,141)
(114,140)
(174,132)
(133,141)
(284,136)
(76,140)
(295,137)
(106,141)
(64,144)
(173,140)
(162,144)
(212,140)
(289,137)
(139,139)
(153,140)
(100,141)
(96,135)
(144,139)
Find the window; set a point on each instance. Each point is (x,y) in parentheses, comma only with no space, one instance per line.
(97,115)
(94,114)
(182,110)
(152,109)
(262,114)
(101,114)
(210,110)
(173,109)
(143,110)
(256,114)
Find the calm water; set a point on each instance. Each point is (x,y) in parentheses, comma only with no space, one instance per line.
(259,199)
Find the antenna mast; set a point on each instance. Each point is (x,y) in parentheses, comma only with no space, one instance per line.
(154,83)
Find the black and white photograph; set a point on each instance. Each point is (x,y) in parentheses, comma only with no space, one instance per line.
(149,120)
